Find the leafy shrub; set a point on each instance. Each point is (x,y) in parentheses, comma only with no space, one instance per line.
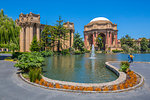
(77,52)
(35,74)
(86,51)
(71,49)
(46,53)
(124,65)
(15,59)
(117,51)
(17,54)
(65,52)
(27,61)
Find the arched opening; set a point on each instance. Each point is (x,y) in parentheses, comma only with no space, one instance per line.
(103,39)
(90,39)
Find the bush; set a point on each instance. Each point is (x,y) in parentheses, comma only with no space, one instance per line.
(46,53)
(77,52)
(65,52)
(87,51)
(125,63)
(17,54)
(124,66)
(15,59)
(35,74)
(117,51)
(27,61)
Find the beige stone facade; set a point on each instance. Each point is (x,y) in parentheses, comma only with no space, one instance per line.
(106,29)
(31,26)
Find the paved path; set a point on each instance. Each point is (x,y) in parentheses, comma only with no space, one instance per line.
(13,88)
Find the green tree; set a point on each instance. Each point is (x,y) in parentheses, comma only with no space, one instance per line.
(127,40)
(61,33)
(144,44)
(78,43)
(99,42)
(126,48)
(9,31)
(54,35)
(34,45)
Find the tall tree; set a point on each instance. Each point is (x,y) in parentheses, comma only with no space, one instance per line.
(78,43)
(144,44)
(99,42)
(54,35)
(61,33)
(9,31)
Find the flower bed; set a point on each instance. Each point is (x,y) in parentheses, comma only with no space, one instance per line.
(132,80)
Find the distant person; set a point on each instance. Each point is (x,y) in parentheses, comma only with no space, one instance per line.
(131,58)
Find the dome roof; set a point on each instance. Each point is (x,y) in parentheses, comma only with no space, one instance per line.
(99,19)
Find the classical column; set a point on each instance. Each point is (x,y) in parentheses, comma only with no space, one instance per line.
(72,35)
(116,44)
(85,40)
(27,39)
(31,33)
(110,39)
(107,38)
(21,39)
(38,32)
(93,40)
(96,34)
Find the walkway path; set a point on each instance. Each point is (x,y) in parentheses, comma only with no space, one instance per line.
(13,88)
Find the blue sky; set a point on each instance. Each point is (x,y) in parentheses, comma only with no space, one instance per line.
(131,16)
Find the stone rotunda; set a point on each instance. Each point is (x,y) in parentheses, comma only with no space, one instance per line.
(106,29)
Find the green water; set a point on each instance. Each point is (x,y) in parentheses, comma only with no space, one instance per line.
(82,69)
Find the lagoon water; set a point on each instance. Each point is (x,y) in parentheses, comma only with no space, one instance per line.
(79,68)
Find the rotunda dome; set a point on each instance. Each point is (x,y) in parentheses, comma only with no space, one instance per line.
(99,19)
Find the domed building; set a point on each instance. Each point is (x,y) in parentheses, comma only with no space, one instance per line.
(106,29)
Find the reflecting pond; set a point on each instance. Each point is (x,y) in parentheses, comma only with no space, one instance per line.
(79,68)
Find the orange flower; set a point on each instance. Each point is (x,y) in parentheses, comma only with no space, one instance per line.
(81,88)
(57,85)
(45,83)
(76,88)
(130,84)
(90,89)
(105,88)
(121,86)
(72,87)
(97,89)
(51,85)
(42,80)
(115,87)
(126,85)
(65,86)
(37,81)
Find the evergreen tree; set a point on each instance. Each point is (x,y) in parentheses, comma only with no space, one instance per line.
(61,33)
(78,43)
(54,35)
(34,45)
